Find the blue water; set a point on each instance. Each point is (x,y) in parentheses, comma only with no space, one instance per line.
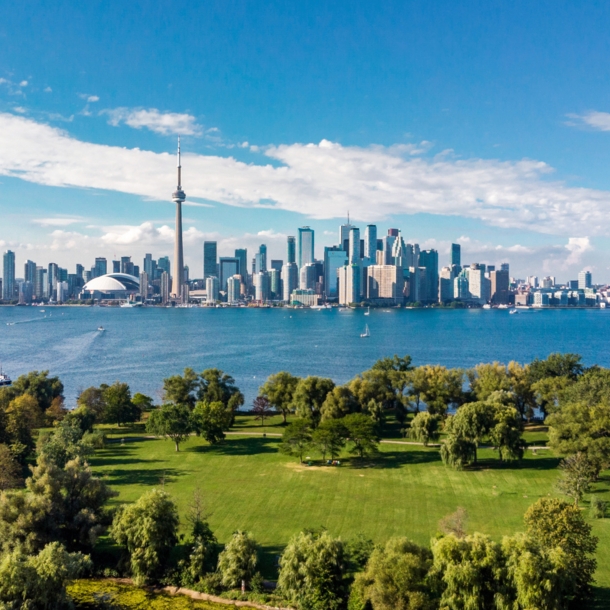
(142,346)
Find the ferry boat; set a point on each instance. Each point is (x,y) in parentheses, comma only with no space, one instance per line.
(4,379)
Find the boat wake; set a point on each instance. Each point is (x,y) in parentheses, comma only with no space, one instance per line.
(38,319)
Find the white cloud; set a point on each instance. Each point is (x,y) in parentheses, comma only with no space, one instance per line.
(23,83)
(596,120)
(147,234)
(90,99)
(57,221)
(577,246)
(47,90)
(165,123)
(320,180)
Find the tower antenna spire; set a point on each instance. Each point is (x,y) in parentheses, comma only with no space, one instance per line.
(179,166)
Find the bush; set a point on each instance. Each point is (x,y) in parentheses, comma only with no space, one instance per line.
(597,508)
(211,584)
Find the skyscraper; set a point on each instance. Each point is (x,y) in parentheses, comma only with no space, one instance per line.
(456,254)
(241,254)
(428,259)
(306,246)
(354,246)
(344,235)
(228,266)
(335,257)
(29,272)
(210,259)
(150,267)
(233,289)
(261,259)
(211,289)
(101,266)
(8,276)
(370,244)
(584,280)
(291,250)
(290,277)
(178,198)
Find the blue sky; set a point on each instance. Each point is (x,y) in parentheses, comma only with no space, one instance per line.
(486,123)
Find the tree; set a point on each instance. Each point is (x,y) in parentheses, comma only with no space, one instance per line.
(22,417)
(577,474)
(82,417)
(279,389)
(180,389)
(56,412)
(457,451)
(261,407)
(296,438)
(339,403)
(553,523)
(118,406)
(395,578)
(468,572)
(313,571)
(329,437)
(488,378)
(143,402)
(171,421)
(557,365)
(63,444)
(217,386)
(394,363)
(472,422)
(93,399)
(438,387)
(39,581)
(309,396)
(523,393)
(425,427)
(10,469)
(210,420)
(238,560)
(505,433)
(40,386)
(362,434)
(148,531)
(58,504)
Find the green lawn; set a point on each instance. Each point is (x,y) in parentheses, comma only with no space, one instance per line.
(248,485)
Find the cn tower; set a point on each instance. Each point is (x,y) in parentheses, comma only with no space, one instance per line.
(178,198)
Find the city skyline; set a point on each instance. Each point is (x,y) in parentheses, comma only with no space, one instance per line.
(423,125)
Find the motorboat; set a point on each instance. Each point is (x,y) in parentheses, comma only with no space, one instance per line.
(5,380)
(513,311)
(101,329)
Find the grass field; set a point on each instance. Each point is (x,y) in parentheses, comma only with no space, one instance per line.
(247,484)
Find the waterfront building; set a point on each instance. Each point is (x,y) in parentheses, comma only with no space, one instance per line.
(461,290)
(212,289)
(275,284)
(110,286)
(178,197)
(291,250)
(446,283)
(227,266)
(306,298)
(334,258)
(29,272)
(456,255)
(263,287)
(79,271)
(478,284)
(547,282)
(62,292)
(541,299)
(349,284)
(308,276)
(165,291)
(144,285)
(234,289)
(532,280)
(561,298)
(26,289)
(8,276)
(584,280)
(290,276)
(370,244)
(241,254)
(150,267)
(499,287)
(305,252)
(384,282)
(428,259)
(210,259)
(41,285)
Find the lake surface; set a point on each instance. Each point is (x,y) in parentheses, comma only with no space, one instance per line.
(142,346)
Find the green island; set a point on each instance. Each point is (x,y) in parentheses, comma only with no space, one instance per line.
(367,477)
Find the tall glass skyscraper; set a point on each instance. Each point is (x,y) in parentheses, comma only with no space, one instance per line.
(210,255)
(8,275)
(291,250)
(354,246)
(456,254)
(306,246)
(429,260)
(334,258)
(241,254)
(370,244)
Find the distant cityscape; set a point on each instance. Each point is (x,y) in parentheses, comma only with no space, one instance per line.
(360,269)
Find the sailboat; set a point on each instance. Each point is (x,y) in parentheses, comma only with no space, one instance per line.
(366,333)
(368,311)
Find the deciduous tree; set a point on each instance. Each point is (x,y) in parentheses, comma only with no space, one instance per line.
(425,427)
(238,560)
(171,421)
(339,403)
(577,474)
(118,406)
(329,437)
(363,435)
(211,420)
(180,389)
(261,407)
(309,396)
(296,438)
(279,389)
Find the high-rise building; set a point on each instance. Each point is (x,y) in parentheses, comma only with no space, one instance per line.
(478,284)
(241,254)
(165,282)
(276,264)
(212,287)
(344,235)
(499,286)
(370,244)
(263,288)
(290,277)
(354,255)
(26,292)
(349,284)
(306,246)
(101,266)
(40,285)
(261,258)
(178,197)
(384,282)
(446,283)
(275,284)
(144,285)
(461,290)
(79,271)
(126,265)
(210,259)
(150,266)
(387,249)
(163,264)
(308,276)
(233,289)
(29,272)
(227,267)
(116,266)
(456,254)
(291,250)
(584,280)
(334,258)
(505,267)
(429,260)
(53,277)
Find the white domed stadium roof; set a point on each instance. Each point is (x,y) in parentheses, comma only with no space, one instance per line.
(113,282)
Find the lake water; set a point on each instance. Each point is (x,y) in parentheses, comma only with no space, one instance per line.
(142,346)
